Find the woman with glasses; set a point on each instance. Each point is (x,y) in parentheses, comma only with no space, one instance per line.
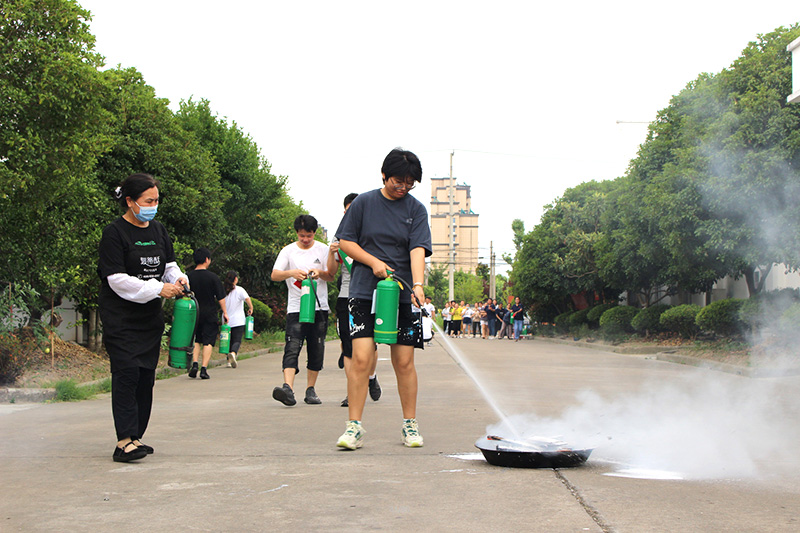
(385,230)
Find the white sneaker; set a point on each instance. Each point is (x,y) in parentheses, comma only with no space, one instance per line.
(353,436)
(232,359)
(411,436)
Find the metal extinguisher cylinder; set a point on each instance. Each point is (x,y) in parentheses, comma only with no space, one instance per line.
(308,301)
(249,327)
(184,317)
(225,339)
(387,305)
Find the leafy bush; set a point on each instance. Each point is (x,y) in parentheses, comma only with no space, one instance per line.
(766,308)
(648,319)
(790,318)
(721,317)
(617,320)
(262,315)
(594,314)
(681,320)
(562,322)
(577,319)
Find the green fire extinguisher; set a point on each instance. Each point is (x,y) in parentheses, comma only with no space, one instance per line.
(308,300)
(387,304)
(249,326)
(184,317)
(225,339)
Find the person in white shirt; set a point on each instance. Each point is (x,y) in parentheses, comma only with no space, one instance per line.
(235,299)
(427,321)
(466,320)
(305,258)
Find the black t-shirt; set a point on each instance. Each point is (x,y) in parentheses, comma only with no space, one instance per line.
(491,314)
(139,252)
(208,290)
(132,331)
(388,230)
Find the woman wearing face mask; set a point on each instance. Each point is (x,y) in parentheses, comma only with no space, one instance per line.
(137,268)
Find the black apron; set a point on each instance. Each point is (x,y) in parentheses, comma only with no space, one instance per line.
(132,331)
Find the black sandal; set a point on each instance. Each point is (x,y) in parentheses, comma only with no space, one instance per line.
(145,447)
(121,456)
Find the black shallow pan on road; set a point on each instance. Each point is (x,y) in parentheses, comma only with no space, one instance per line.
(499,451)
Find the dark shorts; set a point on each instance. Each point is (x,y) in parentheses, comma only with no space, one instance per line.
(362,321)
(343,328)
(206,330)
(297,333)
(455,326)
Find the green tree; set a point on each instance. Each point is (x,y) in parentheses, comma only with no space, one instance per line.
(147,137)
(53,129)
(438,285)
(752,147)
(258,213)
(467,287)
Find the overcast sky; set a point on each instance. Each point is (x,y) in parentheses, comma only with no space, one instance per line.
(527,96)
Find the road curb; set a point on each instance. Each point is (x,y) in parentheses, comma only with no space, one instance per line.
(39,395)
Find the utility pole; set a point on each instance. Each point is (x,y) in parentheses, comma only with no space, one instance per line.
(492,286)
(452,235)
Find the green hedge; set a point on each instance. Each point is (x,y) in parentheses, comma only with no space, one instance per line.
(790,318)
(766,309)
(562,322)
(721,317)
(617,320)
(681,319)
(594,314)
(648,319)
(262,315)
(578,318)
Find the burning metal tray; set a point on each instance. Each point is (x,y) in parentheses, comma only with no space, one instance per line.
(535,453)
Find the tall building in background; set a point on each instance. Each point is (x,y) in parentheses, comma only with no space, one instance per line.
(466,225)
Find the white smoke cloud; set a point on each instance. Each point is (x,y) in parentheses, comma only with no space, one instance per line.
(704,427)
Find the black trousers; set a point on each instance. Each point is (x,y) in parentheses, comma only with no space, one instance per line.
(132,400)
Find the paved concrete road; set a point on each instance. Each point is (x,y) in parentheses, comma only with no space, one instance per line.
(229,458)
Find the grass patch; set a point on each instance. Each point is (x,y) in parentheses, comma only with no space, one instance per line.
(68,390)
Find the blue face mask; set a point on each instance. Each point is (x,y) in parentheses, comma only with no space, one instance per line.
(146,214)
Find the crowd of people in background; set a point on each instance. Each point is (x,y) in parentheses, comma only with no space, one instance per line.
(490,319)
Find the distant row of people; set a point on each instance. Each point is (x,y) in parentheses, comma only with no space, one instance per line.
(487,320)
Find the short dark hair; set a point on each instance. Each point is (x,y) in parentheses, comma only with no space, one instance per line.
(134,186)
(402,164)
(200,255)
(349,198)
(305,222)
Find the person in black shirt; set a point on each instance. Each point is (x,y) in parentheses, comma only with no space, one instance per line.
(137,268)
(209,292)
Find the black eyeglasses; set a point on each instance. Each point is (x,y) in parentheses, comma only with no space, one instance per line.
(403,184)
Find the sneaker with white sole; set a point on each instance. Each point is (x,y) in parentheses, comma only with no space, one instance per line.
(353,436)
(411,436)
(232,360)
